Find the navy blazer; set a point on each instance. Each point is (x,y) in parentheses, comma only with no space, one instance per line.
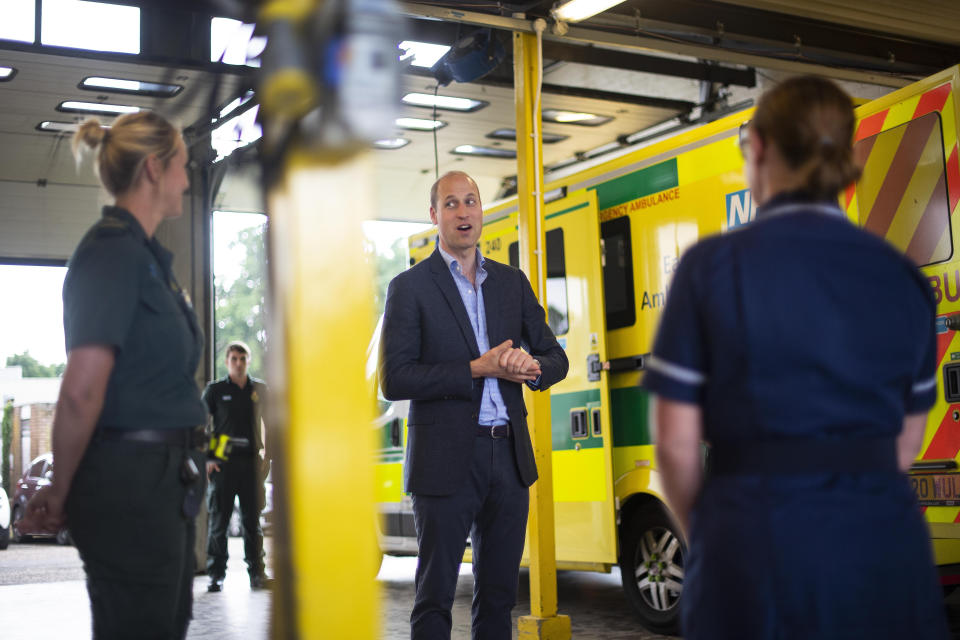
(426,348)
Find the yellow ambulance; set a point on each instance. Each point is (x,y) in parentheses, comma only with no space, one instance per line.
(614,235)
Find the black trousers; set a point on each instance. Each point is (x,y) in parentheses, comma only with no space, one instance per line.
(125,513)
(240,477)
(491,507)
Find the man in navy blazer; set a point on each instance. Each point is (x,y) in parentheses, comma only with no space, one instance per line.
(461,333)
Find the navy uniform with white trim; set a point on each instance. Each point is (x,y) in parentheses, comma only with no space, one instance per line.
(805,341)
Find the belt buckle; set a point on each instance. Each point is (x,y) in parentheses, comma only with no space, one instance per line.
(498,429)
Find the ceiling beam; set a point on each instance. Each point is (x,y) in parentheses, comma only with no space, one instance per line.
(632,42)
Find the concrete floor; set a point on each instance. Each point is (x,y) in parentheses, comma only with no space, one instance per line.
(43,595)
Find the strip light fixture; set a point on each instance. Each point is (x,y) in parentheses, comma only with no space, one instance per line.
(419,124)
(449,103)
(577,10)
(118,85)
(78,106)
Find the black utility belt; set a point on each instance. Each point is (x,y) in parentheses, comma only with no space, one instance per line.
(791,456)
(186,437)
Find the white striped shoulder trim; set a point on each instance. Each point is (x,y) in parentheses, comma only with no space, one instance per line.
(674,371)
(925,385)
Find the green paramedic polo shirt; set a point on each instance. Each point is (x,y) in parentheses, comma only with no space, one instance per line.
(119,291)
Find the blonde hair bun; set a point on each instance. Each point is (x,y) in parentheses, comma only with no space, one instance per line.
(91,134)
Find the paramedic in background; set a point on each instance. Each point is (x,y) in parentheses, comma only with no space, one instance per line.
(802,349)
(236,405)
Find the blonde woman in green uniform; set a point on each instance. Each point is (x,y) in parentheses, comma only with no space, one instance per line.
(125,433)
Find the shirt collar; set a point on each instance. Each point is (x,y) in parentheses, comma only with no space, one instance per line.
(791,197)
(454,265)
(119,213)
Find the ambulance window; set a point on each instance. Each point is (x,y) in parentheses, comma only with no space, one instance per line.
(557,316)
(618,273)
(902,195)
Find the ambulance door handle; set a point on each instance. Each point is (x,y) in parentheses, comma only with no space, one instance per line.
(395,432)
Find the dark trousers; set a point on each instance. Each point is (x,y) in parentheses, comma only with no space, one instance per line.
(239,477)
(125,513)
(491,507)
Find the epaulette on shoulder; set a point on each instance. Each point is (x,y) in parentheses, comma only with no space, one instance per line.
(108,227)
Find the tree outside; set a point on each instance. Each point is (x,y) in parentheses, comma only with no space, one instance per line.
(240,304)
(32,368)
(240,301)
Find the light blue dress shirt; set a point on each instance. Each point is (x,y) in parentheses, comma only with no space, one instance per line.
(493,410)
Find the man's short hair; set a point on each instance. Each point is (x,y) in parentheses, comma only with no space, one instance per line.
(436,185)
(240,346)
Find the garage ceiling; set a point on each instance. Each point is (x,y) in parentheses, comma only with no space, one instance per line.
(643,63)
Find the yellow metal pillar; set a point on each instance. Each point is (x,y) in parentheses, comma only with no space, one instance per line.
(322,295)
(543,622)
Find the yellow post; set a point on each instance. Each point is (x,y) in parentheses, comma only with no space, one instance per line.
(322,295)
(543,622)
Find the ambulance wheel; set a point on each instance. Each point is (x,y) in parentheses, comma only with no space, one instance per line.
(652,568)
(4,537)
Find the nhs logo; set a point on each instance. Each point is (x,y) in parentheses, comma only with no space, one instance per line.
(740,208)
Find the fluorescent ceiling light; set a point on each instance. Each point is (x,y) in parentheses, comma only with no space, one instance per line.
(95,26)
(419,124)
(450,103)
(18,20)
(55,126)
(391,143)
(577,10)
(233,42)
(511,134)
(96,107)
(7,73)
(486,152)
(575,117)
(155,89)
(422,54)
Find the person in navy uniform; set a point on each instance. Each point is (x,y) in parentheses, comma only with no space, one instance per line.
(453,329)
(802,350)
(127,432)
(236,405)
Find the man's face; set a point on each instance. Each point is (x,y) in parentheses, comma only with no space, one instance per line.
(237,364)
(458,214)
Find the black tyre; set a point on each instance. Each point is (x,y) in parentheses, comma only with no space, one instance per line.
(652,554)
(15,517)
(4,537)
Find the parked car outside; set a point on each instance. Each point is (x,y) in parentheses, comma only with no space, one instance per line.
(38,475)
(4,519)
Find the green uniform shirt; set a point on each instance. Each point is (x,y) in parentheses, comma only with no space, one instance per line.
(237,411)
(119,291)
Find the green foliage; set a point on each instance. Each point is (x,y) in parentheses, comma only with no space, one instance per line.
(6,433)
(385,267)
(240,306)
(240,311)
(32,368)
